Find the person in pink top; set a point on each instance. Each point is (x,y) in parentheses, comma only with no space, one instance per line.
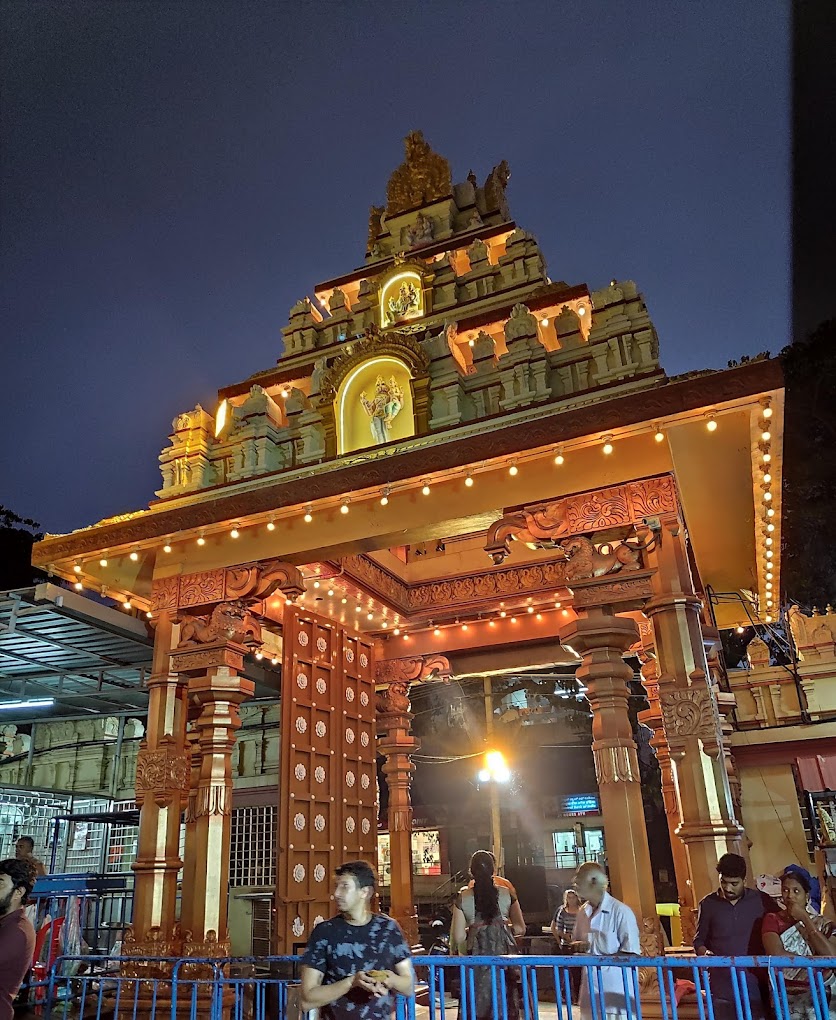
(17,936)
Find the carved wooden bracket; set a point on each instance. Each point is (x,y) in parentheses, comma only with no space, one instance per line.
(412,670)
(547,525)
(251,582)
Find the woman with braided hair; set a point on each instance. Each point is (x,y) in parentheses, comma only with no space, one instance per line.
(486,916)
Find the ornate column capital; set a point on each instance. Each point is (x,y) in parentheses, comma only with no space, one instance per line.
(197,660)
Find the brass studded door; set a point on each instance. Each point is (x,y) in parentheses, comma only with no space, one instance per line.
(327,788)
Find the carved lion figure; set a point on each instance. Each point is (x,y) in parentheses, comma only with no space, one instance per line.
(230,621)
(587,561)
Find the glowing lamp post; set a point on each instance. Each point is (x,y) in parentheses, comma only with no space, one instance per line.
(494,773)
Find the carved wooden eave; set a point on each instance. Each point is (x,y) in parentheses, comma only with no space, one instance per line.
(250,582)
(602,511)
(413,669)
(274,492)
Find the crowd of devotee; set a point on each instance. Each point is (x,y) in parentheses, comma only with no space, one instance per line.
(358,961)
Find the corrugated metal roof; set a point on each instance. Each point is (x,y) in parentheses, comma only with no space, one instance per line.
(57,644)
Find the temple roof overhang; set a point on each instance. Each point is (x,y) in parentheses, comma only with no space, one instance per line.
(718,474)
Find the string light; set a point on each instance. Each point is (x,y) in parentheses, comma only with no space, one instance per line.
(539,616)
(369,616)
(200,539)
(396,631)
(271,525)
(77,568)
(711,423)
(767,457)
(767,411)
(126,604)
(425,489)
(544,322)
(468,479)
(767,496)
(607,448)
(103,561)
(134,555)
(770,527)
(513,619)
(78,586)
(259,655)
(316,584)
(166,548)
(464,626)
(559,459)
(659,435)
(769,574)
(343,600)
(235,533)
(766,435)
(739,629)
(531,609)
(330,592)
(503,614)
(768,541)
(769,511)
(768,618)
(767,478)
(308,516)
(513,469)
(385,625)
(436,631)
(344,506)
(149,614)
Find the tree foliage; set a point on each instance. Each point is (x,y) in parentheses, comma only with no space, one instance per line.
(17,535)
(809,469)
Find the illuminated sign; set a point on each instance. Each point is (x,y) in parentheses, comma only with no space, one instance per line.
(580,804)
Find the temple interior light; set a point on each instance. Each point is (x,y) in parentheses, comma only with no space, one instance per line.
(167,548)
(103,561)
(425,489)
(78,586)
(271,525)
(767,478)
(149,615)
(544,322)
(77,568)
(330,592)
(766,435)
(770,527)
(384,499)
(711,423)
(607,447)
(134,555)
(559,459)
(308,516)
(201,539)
(767,411)
(468,479)
(770,512)
(235,533)
(344,507)
(513,469)
(659,435)
(126,604)
(767,496)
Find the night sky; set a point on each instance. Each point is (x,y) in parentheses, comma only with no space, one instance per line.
(176,175)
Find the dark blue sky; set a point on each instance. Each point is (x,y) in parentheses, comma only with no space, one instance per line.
(176,175)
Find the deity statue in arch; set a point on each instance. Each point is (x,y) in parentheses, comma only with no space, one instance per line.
(383,408)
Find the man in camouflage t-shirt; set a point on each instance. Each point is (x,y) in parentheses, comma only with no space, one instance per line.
(356,962)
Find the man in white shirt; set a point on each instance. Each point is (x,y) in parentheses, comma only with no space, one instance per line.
(604,927)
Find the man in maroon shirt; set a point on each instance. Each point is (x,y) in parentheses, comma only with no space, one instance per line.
(17,936)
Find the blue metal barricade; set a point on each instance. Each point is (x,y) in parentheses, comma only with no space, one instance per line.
(502,988)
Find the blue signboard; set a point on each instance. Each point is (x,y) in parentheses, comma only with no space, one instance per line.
(580,804)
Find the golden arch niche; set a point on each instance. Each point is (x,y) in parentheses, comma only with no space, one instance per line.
(375,405)
(402,298)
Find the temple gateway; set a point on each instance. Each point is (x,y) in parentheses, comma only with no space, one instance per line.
(455,454)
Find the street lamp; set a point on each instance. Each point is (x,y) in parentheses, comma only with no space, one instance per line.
(494,772)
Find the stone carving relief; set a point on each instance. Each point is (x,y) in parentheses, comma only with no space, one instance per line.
(814,636)
(393,699)
(420,232)
(423,177)
(376,217)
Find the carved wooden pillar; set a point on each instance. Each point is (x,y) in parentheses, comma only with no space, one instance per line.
(691,720)
(397,745)
(162,783)
(217,690)
(652,718)
(601,638)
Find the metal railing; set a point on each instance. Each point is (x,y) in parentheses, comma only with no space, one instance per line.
(503,988)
